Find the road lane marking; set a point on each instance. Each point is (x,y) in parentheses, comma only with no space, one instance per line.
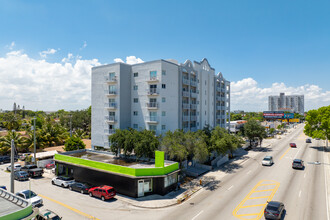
(250,198)
(285,153)
(295,156)
(230,187)
(248,172)
(197,215)
(305,175)
(69,207)
(299,193)
(325,183)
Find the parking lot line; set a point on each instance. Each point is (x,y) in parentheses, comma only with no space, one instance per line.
(285,153)
(69,207)
(260,197)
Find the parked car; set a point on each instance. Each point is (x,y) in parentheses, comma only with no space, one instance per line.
(267,161)
(17,167)
(21,175)
(3,187)
(32,170)
(6,159)
(293,145)
(47,214)
(80,187)
(298,164)
(274,210)
(31,197)
(50,165)
(104,192)
(63,181)
(308,140)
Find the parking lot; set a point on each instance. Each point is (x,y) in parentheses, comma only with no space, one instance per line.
(67,204)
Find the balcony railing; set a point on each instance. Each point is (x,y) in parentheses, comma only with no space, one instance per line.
(153,79)
(111,105)
(152,104)
(110,93)
(219,99)
(193,83)
(193,94)
(185,81)
(185,118)
(185,106)
(193,118)
(152,119)
(185,94)
(193,106)
(110,119)
(109,131)
(219,107)
(111,79)
(153,91)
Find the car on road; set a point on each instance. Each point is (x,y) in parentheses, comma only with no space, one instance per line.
(274,210)
(104,192)
(80,187)
(308,140)
(31,197)
(298,164)
(3,187)
(21,175)
(267,161)
(17,167)
(293,145)
(47,214)
(63,181)
(33,170)
(50,165)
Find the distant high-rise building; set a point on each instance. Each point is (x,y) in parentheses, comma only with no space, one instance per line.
(291,103)
(159,95)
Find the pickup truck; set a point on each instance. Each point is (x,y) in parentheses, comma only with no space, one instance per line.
(32,170)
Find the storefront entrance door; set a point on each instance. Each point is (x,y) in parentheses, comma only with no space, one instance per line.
(140,188)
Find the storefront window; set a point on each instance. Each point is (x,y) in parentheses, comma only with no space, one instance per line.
(147,185)
(170,179)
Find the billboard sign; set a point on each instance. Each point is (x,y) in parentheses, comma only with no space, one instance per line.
(273,115)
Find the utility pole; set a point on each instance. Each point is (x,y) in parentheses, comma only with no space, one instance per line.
(34,141)
(70,125)
(12,166)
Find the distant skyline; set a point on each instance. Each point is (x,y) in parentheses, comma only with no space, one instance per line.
(262,47)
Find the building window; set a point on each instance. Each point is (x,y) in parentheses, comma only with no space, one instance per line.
(163,127)
(170,179)
(135,100)
(152,127)
(153,74)
(163,72)
(163,99)
(163,113)
(135,126)
(135,113)
(163,86)
(136,74)
(135,87)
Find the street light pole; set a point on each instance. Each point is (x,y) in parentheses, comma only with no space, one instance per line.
(12,166)
(34,141)
(70,125)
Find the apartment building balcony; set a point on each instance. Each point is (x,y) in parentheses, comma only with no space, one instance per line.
(193,106)
(219,116)
(111,105)
(185,106)
(152,119)
(223,90)
(110,119)
(185,118)
(218,89)
(193,129)
(185,129)
(109,131)
(152,105)
(219,107)
(185,81)
(110,93)
(193,83)
(153,80)
(153,91)
(193,94)
(111,80)
(219,99)
(185,94)
(193,118)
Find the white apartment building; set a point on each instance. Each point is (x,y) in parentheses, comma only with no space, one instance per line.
(292,103)
(159,95)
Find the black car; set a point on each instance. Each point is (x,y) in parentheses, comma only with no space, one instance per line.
(21,175)
(80,187)
(6,159)
(274,210)
(308,140)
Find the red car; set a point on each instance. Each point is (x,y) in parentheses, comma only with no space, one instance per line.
(293,145)
(104,192)
(50,165)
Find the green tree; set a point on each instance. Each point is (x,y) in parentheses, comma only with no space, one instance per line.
(6,140)
(74,143)
(28,141)
(53,133)
(146,144)
(217,142)
(253,129)
(318,123)
(235,117)
(117,140)
(11,121)
(200,150)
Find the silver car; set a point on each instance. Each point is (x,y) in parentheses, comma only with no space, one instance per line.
(31,197)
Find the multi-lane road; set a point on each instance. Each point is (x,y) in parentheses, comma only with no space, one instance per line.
(241,192)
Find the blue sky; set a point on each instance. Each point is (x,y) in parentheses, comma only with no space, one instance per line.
(255,44)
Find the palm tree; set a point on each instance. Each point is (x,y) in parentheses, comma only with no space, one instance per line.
(53,134)
(12,135)
(28,141)
(80,133)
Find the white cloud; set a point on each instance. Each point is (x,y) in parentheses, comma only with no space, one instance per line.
(42,85)
(84,45)
(68,59)
(247,95)
(129,60)
(11,46)
(44,53)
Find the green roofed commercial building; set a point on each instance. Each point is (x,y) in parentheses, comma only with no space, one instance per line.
(13,207)
(128,177)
